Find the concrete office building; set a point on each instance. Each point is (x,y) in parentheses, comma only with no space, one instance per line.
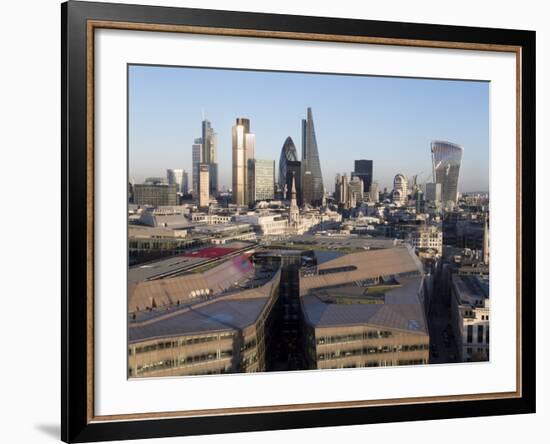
(261,180)
(446,160)
(155,195)
(196,161)
(427,238)
(243,148)
(204,185)
(374,193)
(179,326)
(470,309)
(365,310)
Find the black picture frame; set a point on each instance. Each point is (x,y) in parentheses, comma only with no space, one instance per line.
(76,423)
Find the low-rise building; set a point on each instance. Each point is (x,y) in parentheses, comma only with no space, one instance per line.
(365,310)
(470,310)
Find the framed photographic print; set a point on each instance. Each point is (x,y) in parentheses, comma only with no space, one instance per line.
(275,221)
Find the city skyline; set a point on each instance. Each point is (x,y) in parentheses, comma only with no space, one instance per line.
(401,119)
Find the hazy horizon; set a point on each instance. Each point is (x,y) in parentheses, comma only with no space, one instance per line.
(389,120)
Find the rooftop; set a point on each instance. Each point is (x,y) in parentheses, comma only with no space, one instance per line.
(228,312)
(351,294)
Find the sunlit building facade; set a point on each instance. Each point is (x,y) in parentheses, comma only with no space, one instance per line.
(446,160)
(310,160)
(243,148)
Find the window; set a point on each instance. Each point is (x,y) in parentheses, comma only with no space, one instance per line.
(480,333)
(470,334)
(487,335)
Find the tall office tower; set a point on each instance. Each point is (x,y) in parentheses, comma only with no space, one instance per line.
(293,172)
(196,159)
(433,192)
(341,189)
(419,200)
(261,180)
(204,182)
(288,154)
(307,188)
(243,143)
(310,159)
(374,193)
(363,170)
(209,154)
(184,182)
(355,187)
(175,177)
(400,189)
(446,159)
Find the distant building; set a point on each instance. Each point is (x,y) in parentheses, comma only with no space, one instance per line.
(427,238)
(209,154)
(433,192)
(204,185)
(363,170)
(310,160)
(261,179)
(400,189)
(294,172)
(196,158)
(293,212)
(265,224)
(470,308)
(374,193)
(155,195)
(356,191)
(341,189)
(155,181)
(178,177)
(307,188)
(288,154)
(446,160)
(243,148)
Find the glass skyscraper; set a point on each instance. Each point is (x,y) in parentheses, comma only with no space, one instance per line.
(209,155)
(288,154)
(363,170)
(446,159)
(310,161)
(243,147)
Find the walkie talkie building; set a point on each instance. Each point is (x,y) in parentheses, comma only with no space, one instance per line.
(446,159)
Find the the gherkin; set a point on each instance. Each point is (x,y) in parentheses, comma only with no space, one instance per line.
(288,154)
(310,161)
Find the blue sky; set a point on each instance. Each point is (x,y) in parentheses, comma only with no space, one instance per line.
(389,120)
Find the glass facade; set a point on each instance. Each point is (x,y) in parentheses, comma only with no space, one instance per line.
(446,159)
(261,179)
(310,160)
(288,154)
